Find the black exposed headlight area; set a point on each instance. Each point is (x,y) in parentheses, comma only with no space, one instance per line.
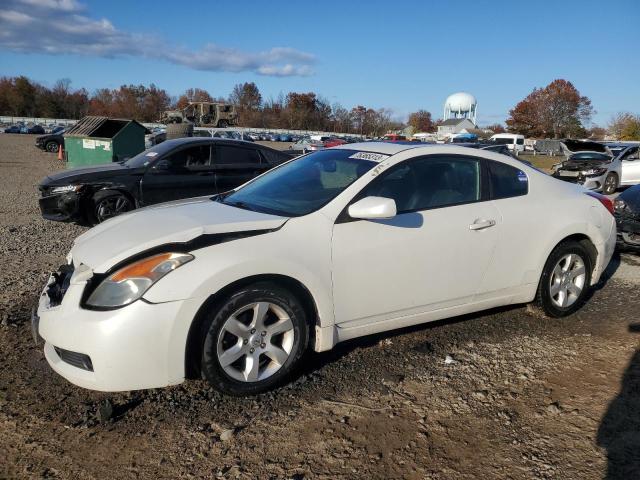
(59,206)
(62,279)
(78,360)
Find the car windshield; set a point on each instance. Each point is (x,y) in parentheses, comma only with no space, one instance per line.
(301,186)
(590,156)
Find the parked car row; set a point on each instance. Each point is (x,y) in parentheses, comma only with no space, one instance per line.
(348,241)
(22,128)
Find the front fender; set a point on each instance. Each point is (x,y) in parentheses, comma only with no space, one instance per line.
(308,262)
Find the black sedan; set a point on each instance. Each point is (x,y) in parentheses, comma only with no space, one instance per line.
(172,170)
(627,213)
(51,142)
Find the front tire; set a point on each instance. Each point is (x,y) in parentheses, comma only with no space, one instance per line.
(610,184)
(565,281)
(254,341)
(107,204)
(51,147)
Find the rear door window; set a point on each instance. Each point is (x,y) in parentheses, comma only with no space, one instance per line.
(506,181)
(232,155)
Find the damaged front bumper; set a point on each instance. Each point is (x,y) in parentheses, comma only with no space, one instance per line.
(61,207)
(141,345)
(590,182)
(628,230)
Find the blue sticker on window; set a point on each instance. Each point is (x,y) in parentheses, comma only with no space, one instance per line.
(522,176)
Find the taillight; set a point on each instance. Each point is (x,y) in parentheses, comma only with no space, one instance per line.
(608,204)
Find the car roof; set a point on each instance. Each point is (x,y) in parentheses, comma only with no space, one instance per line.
(392,148)
(188,140)
(387,148)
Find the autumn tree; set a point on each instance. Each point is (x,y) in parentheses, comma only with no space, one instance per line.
(597,133)
(246,95)
(341,118)
(300,108)
(193,95)
(631,129)
(496,128)
(556,110)
(624,126)
(421,121)
(247,99)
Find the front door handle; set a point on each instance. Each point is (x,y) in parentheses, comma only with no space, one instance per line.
(482,224)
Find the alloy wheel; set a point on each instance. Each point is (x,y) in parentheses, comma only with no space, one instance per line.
(567,280)
(610,184)
(112,206)
(255,342)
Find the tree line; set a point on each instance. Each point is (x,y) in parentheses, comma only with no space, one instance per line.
(20,96)
(555,111)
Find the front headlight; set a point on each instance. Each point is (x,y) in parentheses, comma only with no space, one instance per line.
(594,171)
(131,282)
(66,188)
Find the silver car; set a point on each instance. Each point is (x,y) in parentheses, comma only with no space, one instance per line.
(630,164)
(597,171)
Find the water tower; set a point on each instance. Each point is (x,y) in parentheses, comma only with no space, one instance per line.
(461,105)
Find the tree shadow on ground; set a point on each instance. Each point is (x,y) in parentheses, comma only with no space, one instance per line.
(619,431)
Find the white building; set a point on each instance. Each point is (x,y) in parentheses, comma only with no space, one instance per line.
(454,125)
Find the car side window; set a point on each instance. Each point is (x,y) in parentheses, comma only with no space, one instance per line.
(429,182)
(507,181)
(632,154)
(230,155)
(189,158)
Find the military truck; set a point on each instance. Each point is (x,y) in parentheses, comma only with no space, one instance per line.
(203,114)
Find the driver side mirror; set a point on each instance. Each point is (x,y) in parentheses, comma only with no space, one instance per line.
(372,208)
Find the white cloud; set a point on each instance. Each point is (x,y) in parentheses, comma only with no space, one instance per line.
(61,27)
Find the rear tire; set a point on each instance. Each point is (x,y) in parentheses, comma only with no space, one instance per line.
(610,184)
(179,130)
(254,340)
(565,281)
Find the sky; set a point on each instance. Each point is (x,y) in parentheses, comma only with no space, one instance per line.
(404,56)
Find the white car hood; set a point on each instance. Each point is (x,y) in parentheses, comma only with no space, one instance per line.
(117,239)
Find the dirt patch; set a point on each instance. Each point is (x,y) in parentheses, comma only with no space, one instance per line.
(521,396)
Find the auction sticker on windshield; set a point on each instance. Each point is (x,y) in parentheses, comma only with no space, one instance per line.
(375,157)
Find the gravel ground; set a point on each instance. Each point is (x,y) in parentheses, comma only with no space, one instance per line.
(523,397)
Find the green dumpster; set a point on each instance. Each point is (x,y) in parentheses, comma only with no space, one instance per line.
(96,140)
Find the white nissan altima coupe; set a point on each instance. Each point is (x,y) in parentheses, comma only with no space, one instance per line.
(333,245)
